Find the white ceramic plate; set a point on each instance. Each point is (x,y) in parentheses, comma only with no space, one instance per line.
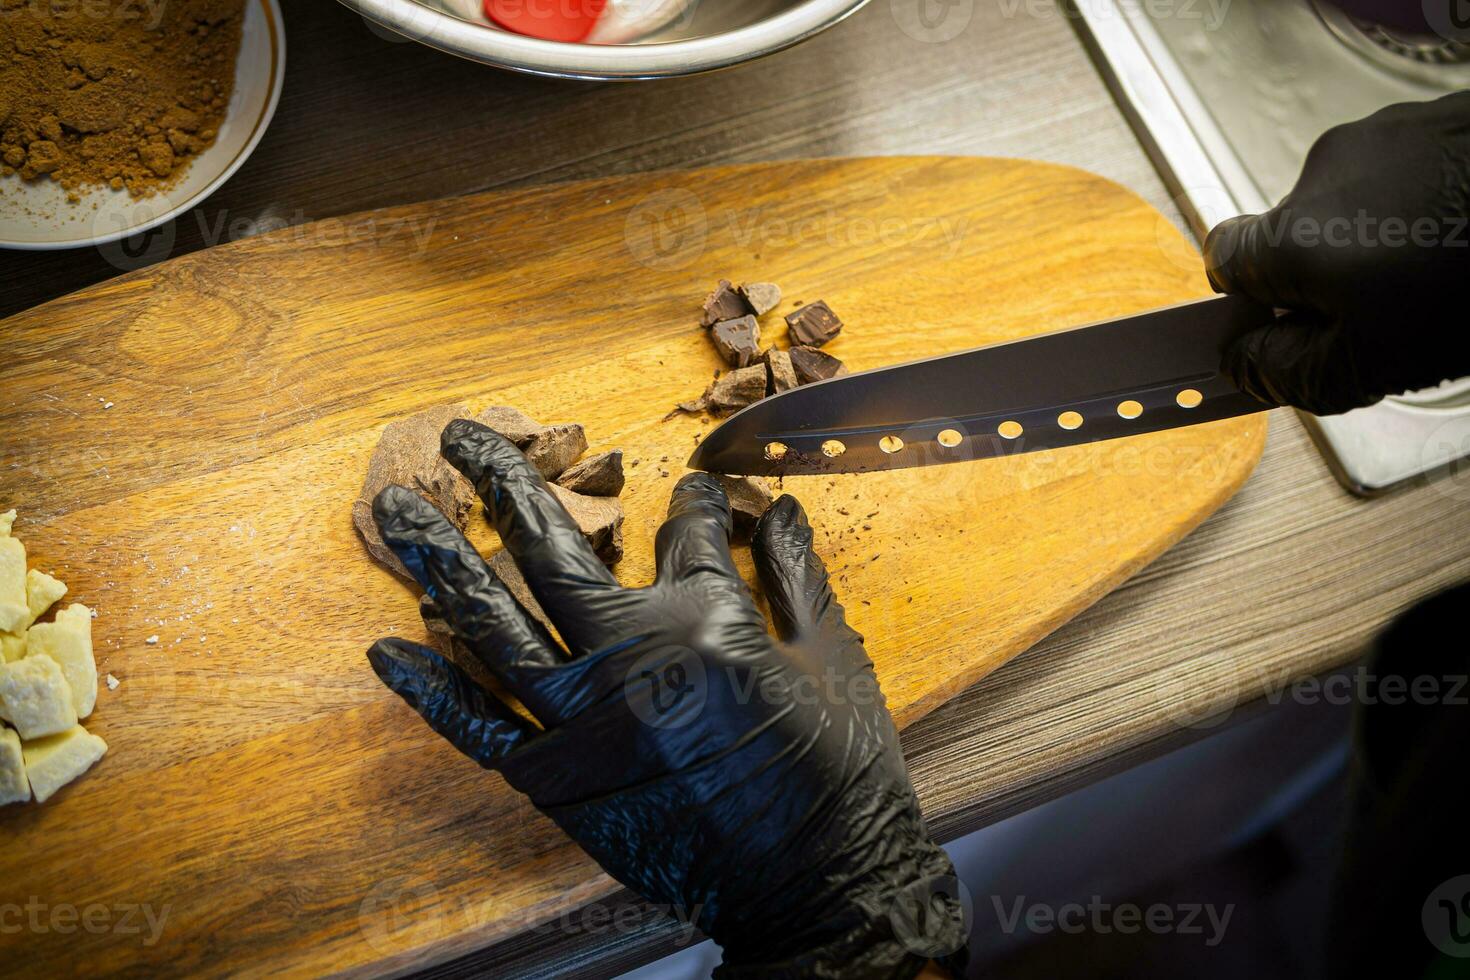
(37,215)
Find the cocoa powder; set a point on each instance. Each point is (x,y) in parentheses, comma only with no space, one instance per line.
(115,93)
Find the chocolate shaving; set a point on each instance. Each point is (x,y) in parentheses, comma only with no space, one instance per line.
(598,476)
(813,325)
(738,341)
(724,304)
(814,365)
(763,297)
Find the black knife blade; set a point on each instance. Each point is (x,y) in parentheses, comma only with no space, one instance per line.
(1121,377)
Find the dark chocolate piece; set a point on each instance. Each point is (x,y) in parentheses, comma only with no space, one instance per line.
(600,519)
(780,373)
(734,391)
(598,476)
(724,304)
(408,455)
(749,499)
(505,569)
(556,447)
(814,365)
(512,423)
(738,341)
(763,297)
(813,325)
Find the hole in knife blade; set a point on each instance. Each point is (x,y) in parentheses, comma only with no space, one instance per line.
(1010,429)
(949,438)
(890,444)
(833,448)
(1070,420)
(1130,409)
(1189,398)
(776,450)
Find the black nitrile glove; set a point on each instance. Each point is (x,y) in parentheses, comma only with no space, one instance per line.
(1369,255)
(756,784)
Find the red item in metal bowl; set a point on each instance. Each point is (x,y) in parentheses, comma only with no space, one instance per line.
(551,20)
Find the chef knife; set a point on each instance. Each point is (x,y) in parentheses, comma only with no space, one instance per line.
(1136,374)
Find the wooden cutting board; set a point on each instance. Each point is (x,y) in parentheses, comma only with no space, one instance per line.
(264,796)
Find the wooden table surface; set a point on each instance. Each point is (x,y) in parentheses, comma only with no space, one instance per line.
(1289,579)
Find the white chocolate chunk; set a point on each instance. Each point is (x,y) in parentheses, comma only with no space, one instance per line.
(13,608)
(36,698)
(68,641)
(14,786)
(42,592)
(7,519)
(12,647)
(53,762)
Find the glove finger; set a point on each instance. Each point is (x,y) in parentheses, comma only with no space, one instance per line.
(1304,363)
(794,578)
(473,720)
(563,572)
(696,536)
(475,604)
(1251,255)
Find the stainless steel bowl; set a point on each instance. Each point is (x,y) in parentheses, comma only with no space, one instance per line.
(716,34)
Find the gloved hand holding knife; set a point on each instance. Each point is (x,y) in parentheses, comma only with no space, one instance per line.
(1369,256)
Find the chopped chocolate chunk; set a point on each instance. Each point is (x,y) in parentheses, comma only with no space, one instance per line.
(724,304)
(512,423)
(814,365)
(441,634)
(738,341)
(749,499)
(509,573)
(408,455)
(813,325)
(598,476)
(555,447)
(601,521)
(780,373)
(763,297)
(734,391)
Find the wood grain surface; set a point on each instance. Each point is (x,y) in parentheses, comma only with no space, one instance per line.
(290,814)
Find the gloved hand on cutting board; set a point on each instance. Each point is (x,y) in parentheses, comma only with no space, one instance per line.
(1369,255)
(755,783)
